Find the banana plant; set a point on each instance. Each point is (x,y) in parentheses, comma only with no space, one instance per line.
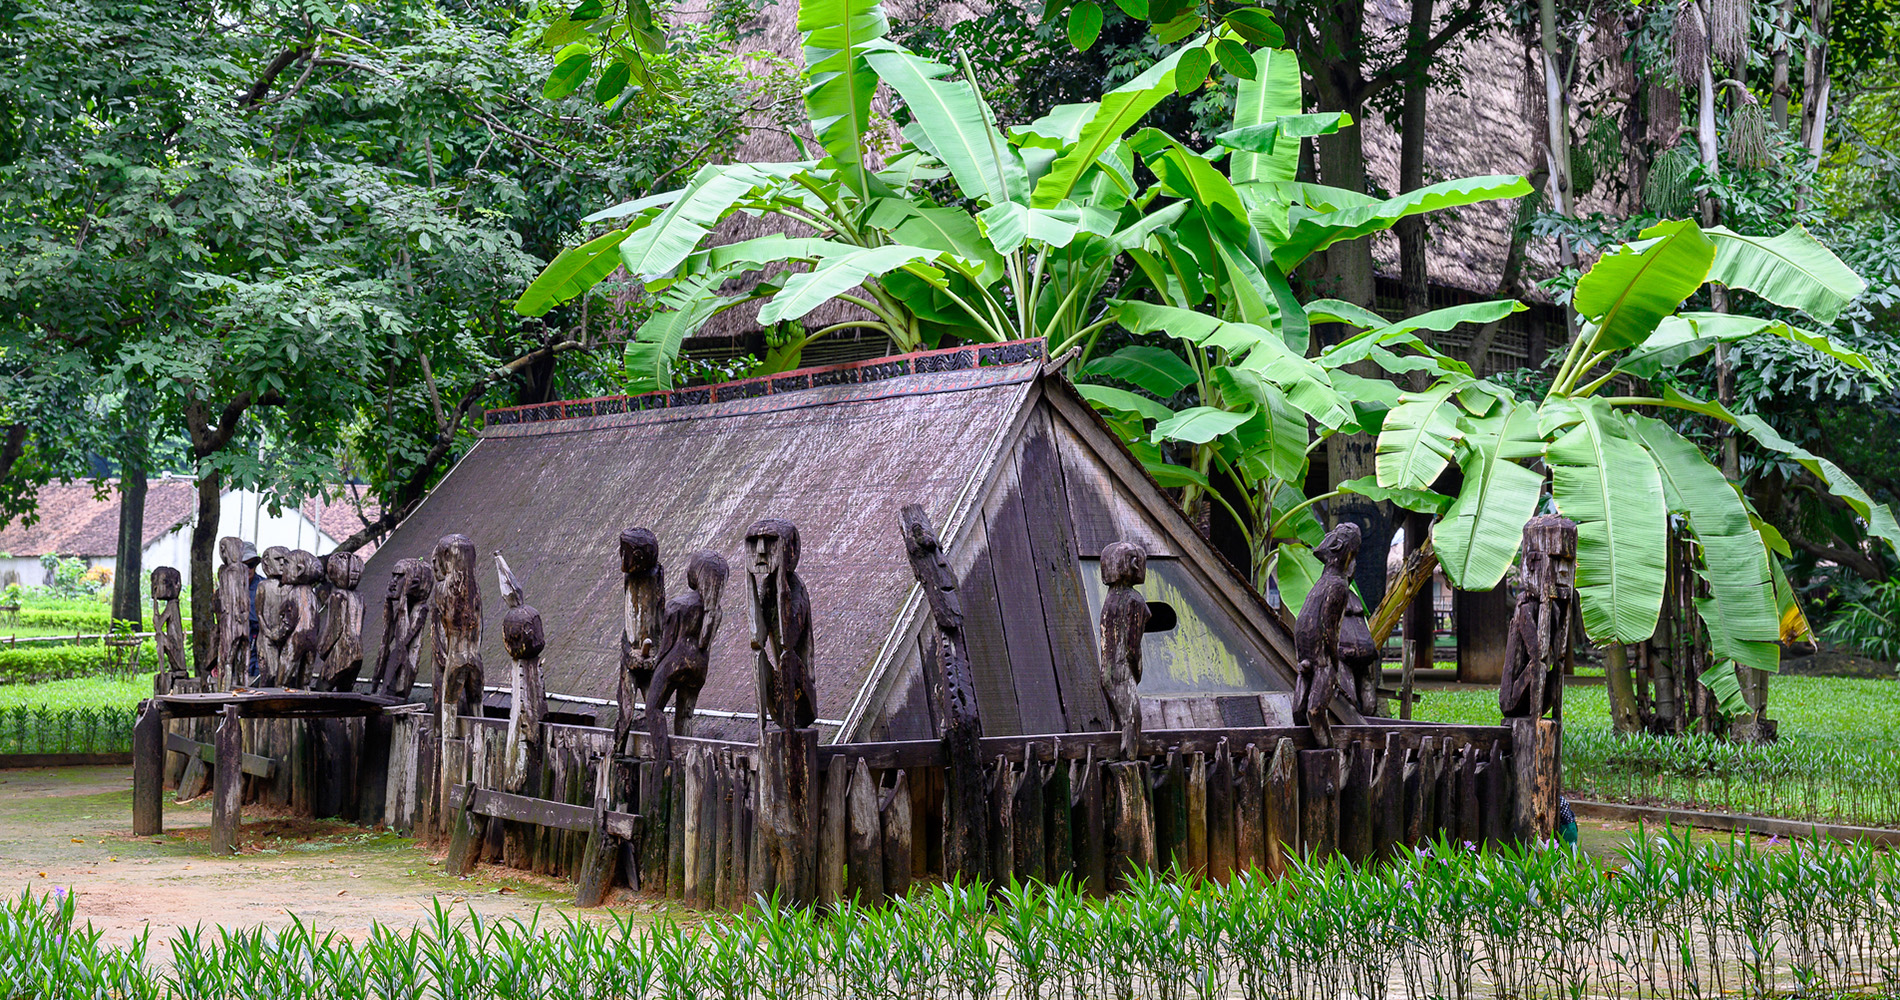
(1043,214)
(1610,465)
(1214,279)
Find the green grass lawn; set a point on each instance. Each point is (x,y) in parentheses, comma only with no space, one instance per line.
(1838,758)
(78,692)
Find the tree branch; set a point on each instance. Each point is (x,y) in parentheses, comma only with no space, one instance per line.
(1859,562)
(1415,62)
(277,66)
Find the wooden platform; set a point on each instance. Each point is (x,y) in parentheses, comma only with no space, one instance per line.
(278,703)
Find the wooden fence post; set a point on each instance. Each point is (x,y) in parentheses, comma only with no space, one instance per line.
(1058,836)
(1283,807)
(1026,816)
(148,771)
(788,808)
(1250,811)
(1535,748)
(1220,815)
(864,872)
(1129,818)
(227,784)
(1094,836)
(1319,803)
(602,854)
(896,816)
(1388,799)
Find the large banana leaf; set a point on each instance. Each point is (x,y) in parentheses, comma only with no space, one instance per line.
(959,126)
(949,229)
(1688,335)
(1295,569)
(1010,225)
(1273,443)
(1273,93)
(1878,516)
(1480,532)
(1417,440)
(1247,346)
(1186,174)
(1199,424)
(649,357)
(654,251)
(1115,114)
(1602,479)
(1745,623)
(839,84)
(1423,501)
(1267,136)
(576,270)
(1314,233)
(1633,287)
(634,207)
(836,275)
(1111,398)
(1158,371)
(1791,269)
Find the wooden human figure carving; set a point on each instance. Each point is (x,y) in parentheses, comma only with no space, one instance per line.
(781,626)
(966,830)
(276,617)
(458,632)
(687,627)
(298,663)
(1124,565)
(521,632)
(405,622)
(1539,640)
(643,580)
(1316,631)
(1359,657)
(341,647)
(234,612)
(167,624)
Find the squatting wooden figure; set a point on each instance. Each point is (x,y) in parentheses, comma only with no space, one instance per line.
(302,572)
(686,633)
(1539,640)
(1316,631)
(1124,565)
(341,649)
(458,632)
(643,582)
(167,625)
(405,622)
(276,616)
(234,612)
(781,626)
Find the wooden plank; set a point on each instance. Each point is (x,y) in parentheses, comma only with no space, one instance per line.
(249,763)
(897,815)
(1220,816)
(1162,798)
(1058,575)
(227,785)
(1057,837)
(864,851)
(464,832)
(1319,803)
(656,784)
(1388,801)
(1240,711)
(1092,844)
(1282,807)
(741,836)
(1002,860)
(1420,781)
(1026,631)
(1495,822)
(1026,818)
(1535,745)
(276,703)
(1196,812)
(1276,710)
(1132,841)
(989,650)
(722,834)
(1657,817)
(1469,830)
(493,803)
(788,814)
(1250,816)
(832,822)
(1098,511)
(1355,804)
(372,769)
(148,770)
(603,848)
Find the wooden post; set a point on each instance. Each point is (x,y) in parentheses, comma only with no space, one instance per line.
(896,815)
(831,832)
(1197,814)
(741,836)
(721,804)
(1418,793)
(1057,842)
(1469,831)
(372,769)
(1132,840)
(1162,799)
(465,835)
(602,855)
(1220,815)
(227,784)
(656,784)
(679,806)
(1388,800)
(1002,861)
(1495,823)
(1355,803)
(1250,816)
(1176,818)
(1282,807)
(1319,803)
(1026,818)
(788,813)
(1535,745)
(148,771)
(1093,839)
(864,873)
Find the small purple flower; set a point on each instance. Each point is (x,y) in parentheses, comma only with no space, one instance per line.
(1469,846)
(1408,884)
(57,895)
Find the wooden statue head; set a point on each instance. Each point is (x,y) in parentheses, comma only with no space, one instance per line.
(400,577)
(521,632)
(639,551)
(706,572)
(1550,557)
(773,545)
(1340,548)
(454,562)
(918,538)
(276,561)
(302,568)
(230,550)
(165,580)
(343,569)
(1124,564)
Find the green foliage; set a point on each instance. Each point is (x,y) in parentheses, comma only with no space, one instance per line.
(1870,625)
(40,661)
(79,729)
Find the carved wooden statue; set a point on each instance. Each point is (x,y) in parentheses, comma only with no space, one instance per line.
(511,593)
(302,572)
(1359,657)
(405,622)
(458,632)
(1316,631)
(781,626)
(1539,640)
(276,617)
(1124,566)
(167,624)
(966,827)
(341,648)
(521,632)
(687,628)
(234,612)
(644,581)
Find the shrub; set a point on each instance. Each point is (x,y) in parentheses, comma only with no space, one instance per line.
(51,661)
(93,729)
(91,621)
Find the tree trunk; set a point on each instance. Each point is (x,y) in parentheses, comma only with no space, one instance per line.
(1413,278)
(1778,100)
(204,541)
(1624,716)
(126,606)
(1815,89)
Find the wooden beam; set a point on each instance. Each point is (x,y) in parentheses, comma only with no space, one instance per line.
(249,763)
(544,812)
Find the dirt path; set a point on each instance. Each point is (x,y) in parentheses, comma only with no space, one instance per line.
(68,827)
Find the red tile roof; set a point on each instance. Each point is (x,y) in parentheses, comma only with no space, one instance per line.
(73,521)
(341,517)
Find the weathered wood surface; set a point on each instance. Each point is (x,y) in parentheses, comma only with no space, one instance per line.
(1283,807)
(407,607)
(226,784)
(831,832)
(788,814)
(1316,631)
(602,853)
(277,703)
(1124,565)
(233,609)
(1058,838)
(1092,839)
(1319,801)
(1536,745)
(1250,817)
(1388,800)
(688,625)
(781,627)
(457,605)
(1221,853)
(148,770)
(249,763)
(1026,820)
(1129,820)
(340,640)
(1355,804)
(497,804)
(913,754)
(897,818)
(643,593)
(864,848)
(1538,643)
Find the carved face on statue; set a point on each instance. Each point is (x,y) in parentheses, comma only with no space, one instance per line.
(343,569)
(639,551)
(454,558)
(1124,564)
(231,550)
(276,562)
(773,546)
(302,568)
(1340,548)
(165,584)
(521,632)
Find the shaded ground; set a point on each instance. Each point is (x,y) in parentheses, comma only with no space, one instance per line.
(70,827)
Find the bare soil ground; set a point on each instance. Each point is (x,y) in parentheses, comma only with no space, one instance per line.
(69,827)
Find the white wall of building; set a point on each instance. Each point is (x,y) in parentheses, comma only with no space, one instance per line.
(243,513)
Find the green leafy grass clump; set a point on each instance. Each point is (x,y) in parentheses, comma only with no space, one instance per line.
(1670,917)
(116,691)
(52,661)
(1838,759)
